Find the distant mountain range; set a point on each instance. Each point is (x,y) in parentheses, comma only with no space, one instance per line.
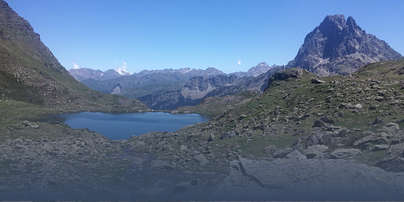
(336,46)
(169,88)
(82,74)
(340,46)
(86,73)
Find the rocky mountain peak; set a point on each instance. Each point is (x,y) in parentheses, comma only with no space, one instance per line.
(258,69)
(333,23)
(340,46)
(351,22)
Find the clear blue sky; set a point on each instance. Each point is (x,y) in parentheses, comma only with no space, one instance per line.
(155,34)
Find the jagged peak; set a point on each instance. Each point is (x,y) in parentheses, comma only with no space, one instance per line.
(336,17)
(338,23)
(339,45)
(351,21)
(351,24)
(335,21)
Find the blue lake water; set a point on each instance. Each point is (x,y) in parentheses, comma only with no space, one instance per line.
(124,126)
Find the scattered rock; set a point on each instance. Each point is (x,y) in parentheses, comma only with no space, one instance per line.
(30,124)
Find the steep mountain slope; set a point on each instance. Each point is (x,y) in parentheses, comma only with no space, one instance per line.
(30,73)
(340,46)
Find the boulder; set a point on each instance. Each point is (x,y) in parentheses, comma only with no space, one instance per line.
(296,155)
(396,150)
(391,128)
(370,138)
(319,124)
(345,153)
(270,149)
(315,151)
(201,159)
(317,81)
(393,165)
(285,75)
(282,153)
(379,147)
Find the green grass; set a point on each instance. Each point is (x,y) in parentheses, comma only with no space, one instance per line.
(13,112)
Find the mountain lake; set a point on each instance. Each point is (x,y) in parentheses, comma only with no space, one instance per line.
(124,126)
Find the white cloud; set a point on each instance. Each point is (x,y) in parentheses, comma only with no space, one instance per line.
(123,69)
(239,62)
(76,66)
